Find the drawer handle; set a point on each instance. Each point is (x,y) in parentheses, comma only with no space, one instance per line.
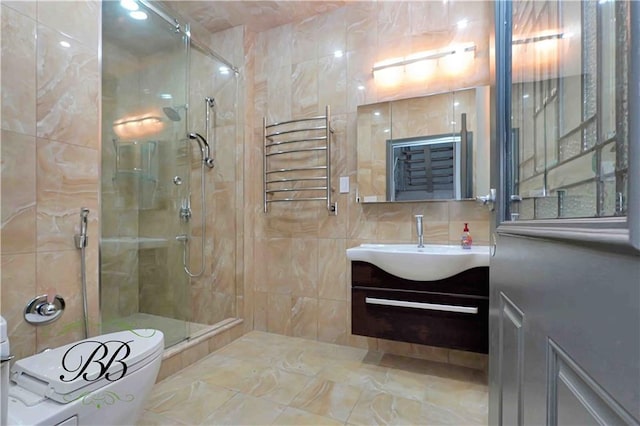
(421,305)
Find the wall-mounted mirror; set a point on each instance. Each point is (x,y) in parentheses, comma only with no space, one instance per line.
(428,148)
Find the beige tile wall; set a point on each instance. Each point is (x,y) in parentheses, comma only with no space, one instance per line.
(293,259)
(297,273)
(50,162)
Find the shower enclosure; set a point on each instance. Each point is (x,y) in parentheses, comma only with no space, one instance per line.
(151,190)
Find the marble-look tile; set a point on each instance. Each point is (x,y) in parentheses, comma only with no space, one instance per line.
(305,41)
(275,385)
(60,271)
(362,25)
(469,359)
(332,83)
(279,95)
(181,404)
(76,19)
(304,317)
(381,408)
(279,313)
(149,418)
(394,19)
(332,269)
(18,70)
(294,417)
(260,311)
(195,353)
(436,414)
(27,8)
(169,367)
(18,287)
(277,268)
(331,32)
(332,321)
(361,375)
(429,17)
(304,89)
(301,361)
(67,91)
(247,410)
(18,193)
(279,47)
(302,264)
(328,399)
(67,179)
(468,211)
(321,383)
(362,220)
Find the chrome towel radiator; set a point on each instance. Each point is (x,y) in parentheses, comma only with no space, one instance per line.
(297,161)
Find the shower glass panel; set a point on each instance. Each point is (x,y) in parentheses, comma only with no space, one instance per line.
(145,173)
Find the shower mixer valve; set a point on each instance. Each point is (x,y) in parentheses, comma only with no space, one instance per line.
(185,209)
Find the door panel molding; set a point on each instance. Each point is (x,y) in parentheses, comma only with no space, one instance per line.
(563,370)
(511,316)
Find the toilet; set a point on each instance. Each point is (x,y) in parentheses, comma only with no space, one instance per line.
(102,380)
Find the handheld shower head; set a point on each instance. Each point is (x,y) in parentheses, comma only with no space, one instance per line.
(204,149)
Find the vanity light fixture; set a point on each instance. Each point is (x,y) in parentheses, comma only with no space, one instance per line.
(539,38)
(419,66)
(424,56)
(135,127)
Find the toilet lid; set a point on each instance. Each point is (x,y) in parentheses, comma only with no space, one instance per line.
(71,371)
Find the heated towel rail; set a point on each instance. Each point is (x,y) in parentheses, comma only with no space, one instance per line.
(297,161)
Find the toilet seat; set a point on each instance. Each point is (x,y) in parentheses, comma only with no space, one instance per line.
(72,371)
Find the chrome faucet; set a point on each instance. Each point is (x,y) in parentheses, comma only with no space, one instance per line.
(419,230)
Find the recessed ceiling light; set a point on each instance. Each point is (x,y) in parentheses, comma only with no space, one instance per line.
(361,87)
(138,15)
(338,53)
(131,5)
(65,44)
(456,103)
(463,23)
(376,113)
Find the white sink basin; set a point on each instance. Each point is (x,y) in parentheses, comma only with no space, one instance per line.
(429,263)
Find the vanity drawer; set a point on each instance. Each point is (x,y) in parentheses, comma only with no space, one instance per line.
(450,321)
(473,281)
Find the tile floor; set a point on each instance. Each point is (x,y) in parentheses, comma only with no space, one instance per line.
(269,379)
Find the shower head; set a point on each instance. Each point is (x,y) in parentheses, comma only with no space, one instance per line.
(172,112)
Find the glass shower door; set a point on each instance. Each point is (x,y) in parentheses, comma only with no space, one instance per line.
(145,172)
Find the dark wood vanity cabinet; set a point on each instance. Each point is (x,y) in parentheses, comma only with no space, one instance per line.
(451,313)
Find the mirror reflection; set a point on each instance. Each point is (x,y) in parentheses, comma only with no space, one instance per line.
(427,148)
